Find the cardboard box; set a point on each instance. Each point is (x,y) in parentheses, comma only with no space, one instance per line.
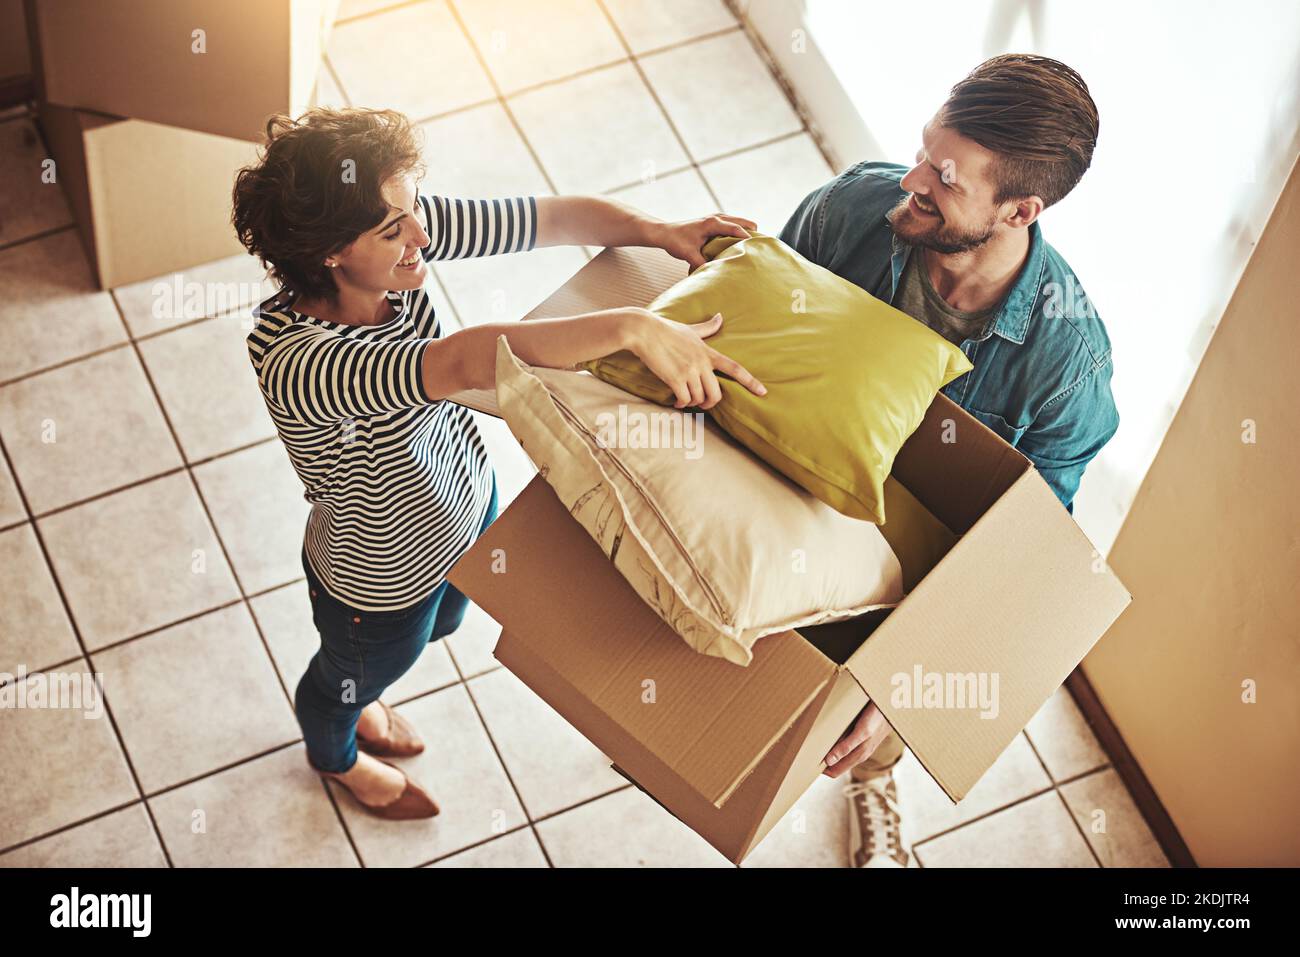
(15,60)
(149,199)
(1016,604)
(138,59)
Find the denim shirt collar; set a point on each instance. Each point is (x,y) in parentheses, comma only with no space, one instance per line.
(1012,321)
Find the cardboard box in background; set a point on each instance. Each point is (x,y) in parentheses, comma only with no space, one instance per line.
(148,199)
(135,59)
(15,60)
(1019,600)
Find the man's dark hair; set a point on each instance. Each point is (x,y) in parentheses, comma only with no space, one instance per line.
(316,188)
(1036,114)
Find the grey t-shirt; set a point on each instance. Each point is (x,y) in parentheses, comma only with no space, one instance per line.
(919,299)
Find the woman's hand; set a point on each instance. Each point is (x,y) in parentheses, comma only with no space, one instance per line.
(685,239)
(677,353)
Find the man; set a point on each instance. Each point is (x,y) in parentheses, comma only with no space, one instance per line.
(955,243)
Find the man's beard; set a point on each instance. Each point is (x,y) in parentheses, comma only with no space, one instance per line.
(938,235)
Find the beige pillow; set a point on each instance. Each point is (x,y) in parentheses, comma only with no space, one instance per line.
(722,547)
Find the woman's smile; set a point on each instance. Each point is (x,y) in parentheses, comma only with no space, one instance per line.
(411,263)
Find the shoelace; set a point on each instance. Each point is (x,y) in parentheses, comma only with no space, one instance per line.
(882,818)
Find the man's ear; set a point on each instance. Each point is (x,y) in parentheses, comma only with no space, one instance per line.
(1023,211)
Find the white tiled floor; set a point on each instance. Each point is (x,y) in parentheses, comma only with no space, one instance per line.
(153,530)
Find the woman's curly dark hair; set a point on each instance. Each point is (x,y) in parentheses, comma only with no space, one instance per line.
(316,188)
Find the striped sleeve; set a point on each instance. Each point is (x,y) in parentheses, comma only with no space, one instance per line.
(318,377)
(464,228)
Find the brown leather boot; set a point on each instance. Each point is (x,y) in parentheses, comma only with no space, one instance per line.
(401,741)
(414,802)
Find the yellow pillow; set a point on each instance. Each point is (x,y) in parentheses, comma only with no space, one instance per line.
(848,377)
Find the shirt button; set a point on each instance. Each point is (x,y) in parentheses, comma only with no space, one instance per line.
(356,621)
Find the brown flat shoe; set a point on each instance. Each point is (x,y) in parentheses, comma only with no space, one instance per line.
(414,802)
(401,741)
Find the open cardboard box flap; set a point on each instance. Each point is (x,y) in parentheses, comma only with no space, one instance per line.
(1023,588)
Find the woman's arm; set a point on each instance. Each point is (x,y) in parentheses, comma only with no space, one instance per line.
(673,351)
(601,221)
(593,221)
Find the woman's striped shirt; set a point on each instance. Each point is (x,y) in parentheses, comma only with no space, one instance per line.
(399,484)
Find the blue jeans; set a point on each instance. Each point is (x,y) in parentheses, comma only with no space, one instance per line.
(362,653)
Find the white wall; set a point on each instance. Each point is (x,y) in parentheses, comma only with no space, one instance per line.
(1200,122)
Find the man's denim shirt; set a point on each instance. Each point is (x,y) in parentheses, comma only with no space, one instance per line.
(1042,366)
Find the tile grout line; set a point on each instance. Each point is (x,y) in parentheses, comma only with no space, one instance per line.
(1069,811)
(1010,805)
(483,843)
(167,473)
(992,812)
(532,826)
(186,465)
(787,88)
(500,100)
(523,806)
(563,78)
(663,110)
(72,620)
(500,97)
(338,80)
(1056,787)
(148,633)
(85,655)
(207,511)
(34,237)
(699,168)
(144,800)
(142,337)
(379,11)
(1106,766)
(146,796)
(90,819)
(442,286)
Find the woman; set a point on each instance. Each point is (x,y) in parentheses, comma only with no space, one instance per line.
(353,369)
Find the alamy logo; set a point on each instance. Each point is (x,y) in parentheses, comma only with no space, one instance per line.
(651,430)
(946,690)
(102,910)
(1068,301)
(191,299)
(81,691)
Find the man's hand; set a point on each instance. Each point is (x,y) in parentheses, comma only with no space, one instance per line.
(861,741)
(685,239)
